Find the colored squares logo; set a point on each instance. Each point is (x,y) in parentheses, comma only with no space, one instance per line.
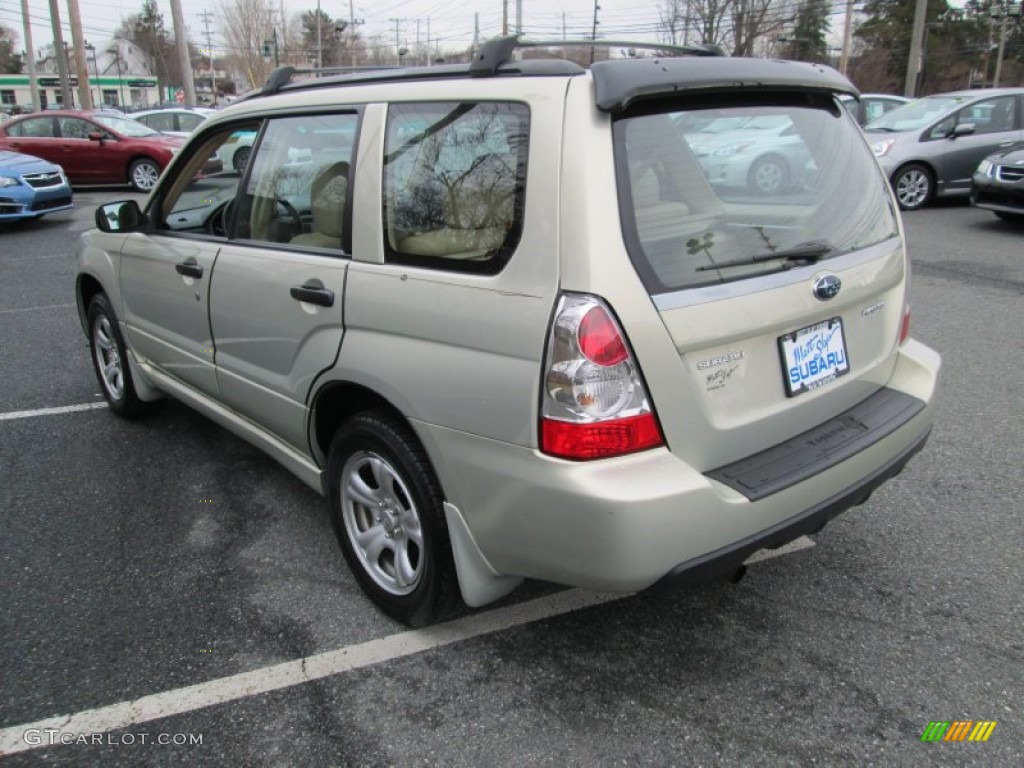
(958,730)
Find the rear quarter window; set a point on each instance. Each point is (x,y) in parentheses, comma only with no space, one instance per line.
(454,184)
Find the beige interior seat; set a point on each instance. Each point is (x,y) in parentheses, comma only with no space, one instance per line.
(328,204)
(478,211)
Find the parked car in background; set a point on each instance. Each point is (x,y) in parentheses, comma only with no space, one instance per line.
(763,154)
(175,121)
(998,185)
(872,105)
(93,147)
(931,147)
(31,187)
(236,149)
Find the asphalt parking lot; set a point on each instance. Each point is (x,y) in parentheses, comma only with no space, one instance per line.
(173,597)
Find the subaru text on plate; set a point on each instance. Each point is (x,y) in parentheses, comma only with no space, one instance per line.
(501,317)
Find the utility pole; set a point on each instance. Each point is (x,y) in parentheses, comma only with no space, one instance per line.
(844,60)
(1007,10)
(504,18)
(352,29)
(184,60)
(914,62)
(59,51)
(593,31)
(519,18)
(30,57)
(81,65)
(319,41)
(205,16)
(476,31)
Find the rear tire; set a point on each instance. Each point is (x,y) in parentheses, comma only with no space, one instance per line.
(110,361)
(1016,218)
(386,509)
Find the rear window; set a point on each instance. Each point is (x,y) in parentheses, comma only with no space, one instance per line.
(719,192)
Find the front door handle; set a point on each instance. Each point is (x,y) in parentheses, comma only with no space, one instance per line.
(189,269)
(313,295)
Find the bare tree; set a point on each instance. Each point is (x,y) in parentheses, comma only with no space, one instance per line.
(753,20)
(246,25)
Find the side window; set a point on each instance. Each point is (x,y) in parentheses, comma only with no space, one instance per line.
(160,121)
(991,115)
(200,199)
(37,127)
(189,122)
(73,128)
(297,189)
(454,184)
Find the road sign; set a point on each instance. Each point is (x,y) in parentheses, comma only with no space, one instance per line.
(180,96)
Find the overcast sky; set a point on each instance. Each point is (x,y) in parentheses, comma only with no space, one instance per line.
(450,21)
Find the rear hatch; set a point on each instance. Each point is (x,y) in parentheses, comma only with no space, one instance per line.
(765,235)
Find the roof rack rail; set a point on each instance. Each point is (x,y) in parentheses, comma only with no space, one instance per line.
(498,50)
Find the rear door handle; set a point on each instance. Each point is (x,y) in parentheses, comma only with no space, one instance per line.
(310,294)
(189,269)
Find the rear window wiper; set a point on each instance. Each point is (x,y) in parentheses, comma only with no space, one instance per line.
(799,255)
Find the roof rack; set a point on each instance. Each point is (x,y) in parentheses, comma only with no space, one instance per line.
(498,50)
(493,58)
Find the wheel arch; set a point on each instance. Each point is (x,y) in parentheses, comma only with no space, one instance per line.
(336,402)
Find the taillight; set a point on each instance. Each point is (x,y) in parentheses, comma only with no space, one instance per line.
(905,324)
(594,403)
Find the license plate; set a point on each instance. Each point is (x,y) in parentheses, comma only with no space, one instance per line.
(813,356)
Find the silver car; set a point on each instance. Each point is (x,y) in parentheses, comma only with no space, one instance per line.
(930,147)
(499,315)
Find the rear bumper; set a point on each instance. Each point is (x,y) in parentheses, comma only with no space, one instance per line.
(624,524)
(728,560)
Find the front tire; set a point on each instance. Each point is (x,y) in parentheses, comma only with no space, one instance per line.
(241,159)
(914,186)
(768,176)
(386,509)
(143,175)
(110,361)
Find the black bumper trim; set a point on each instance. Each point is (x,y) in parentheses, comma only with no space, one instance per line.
(820,448)
(729,559)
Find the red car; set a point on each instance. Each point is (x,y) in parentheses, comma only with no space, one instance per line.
(93,147)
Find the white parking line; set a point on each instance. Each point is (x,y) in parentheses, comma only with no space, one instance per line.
(51,411)
(175,702)
(36,309)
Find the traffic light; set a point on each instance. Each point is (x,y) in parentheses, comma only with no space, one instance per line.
(266,49)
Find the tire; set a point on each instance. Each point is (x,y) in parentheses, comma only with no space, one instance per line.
(1016,218)
(914,186)
(386,509)
(142,174)
(110,361)
(768,175)
(241,158)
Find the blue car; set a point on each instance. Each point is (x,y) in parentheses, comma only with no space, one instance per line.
(31,187)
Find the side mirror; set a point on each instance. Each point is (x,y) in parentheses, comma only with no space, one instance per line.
(122,216)
(963,129)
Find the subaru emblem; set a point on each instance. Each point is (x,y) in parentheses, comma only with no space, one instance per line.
(827,287)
